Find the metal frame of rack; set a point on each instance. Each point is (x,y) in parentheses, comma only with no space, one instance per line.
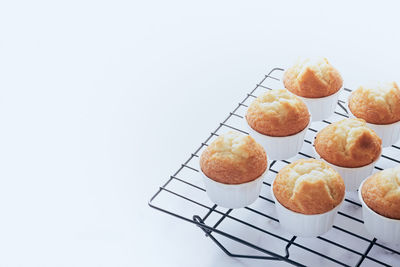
(359,254)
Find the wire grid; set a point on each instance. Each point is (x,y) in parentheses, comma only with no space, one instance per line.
(255,229)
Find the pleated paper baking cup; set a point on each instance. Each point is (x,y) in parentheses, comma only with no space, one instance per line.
(389,133)
(303,224)
(323,107)
(381,227)
(233,196)
(278,148)
(352,177)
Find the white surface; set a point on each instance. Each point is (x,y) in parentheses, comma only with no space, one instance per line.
(100,101)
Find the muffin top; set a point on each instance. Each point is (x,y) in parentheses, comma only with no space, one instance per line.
(309,186)
(233,158)
(381,192)
(348,143)
(278,113)
(379,104)
(312,78)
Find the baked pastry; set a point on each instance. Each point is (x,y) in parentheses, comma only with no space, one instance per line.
(312,78)
(378,104)
(381,192)
(309,186)
(348,143)
(278,113)
(233,158)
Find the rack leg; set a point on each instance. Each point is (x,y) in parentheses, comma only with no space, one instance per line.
(288,246)
(208,233)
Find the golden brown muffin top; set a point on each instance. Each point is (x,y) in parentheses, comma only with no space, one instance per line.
(379,104)
(233,158)
(348,143)
(312,78)
(278,113)
(381,192)
(309,186)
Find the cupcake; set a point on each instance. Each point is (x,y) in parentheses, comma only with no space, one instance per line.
(380,198)
(379,106)
(318,83)
(351,148)
(233,167)
(307,193)
(278,120)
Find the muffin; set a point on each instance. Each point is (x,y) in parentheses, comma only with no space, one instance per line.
(381,193)
(376,104)
(309,186)
(277,113)
(379,105)
(312,78)
(233,158)
(380,199)
(233,169)
(348,143)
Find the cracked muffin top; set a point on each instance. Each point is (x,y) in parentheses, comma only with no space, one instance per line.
(348,143)
(309,186)
(381,192)
(312,78)
(233,158)
(379,104)
(278,113)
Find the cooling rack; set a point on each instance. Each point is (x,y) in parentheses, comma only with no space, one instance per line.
(254,232)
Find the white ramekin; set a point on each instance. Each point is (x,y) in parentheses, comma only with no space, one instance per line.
(303,224)
(384,229)
(233,196)
(323,107)
(282,147)
(389,133)
(352,177)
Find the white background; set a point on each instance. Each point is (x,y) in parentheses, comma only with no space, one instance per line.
(100,101)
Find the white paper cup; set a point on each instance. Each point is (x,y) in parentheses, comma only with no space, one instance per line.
(303,224)
(278,148)
(384,229)
(352,177)
(323,107)
(233,196)
(389,133)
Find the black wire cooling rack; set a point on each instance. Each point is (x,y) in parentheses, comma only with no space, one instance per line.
(255,230)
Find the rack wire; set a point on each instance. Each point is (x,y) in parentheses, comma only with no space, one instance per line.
(255,229)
